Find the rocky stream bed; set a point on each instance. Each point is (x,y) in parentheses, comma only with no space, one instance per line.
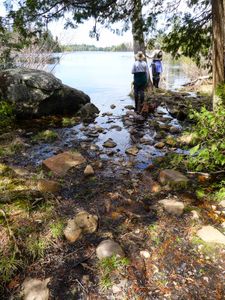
(69,188)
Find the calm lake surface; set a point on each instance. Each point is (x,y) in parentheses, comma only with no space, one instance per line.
(106,76)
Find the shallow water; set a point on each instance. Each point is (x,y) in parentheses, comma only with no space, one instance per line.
(106,78)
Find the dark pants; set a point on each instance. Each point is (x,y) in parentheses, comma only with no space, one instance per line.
(139,95)
(156,79)
(155,76)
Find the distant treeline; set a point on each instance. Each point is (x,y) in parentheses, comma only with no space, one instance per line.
(84,47)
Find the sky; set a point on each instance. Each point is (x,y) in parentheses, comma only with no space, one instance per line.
(80,35)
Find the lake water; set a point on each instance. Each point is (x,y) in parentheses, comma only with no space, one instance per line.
(106,76)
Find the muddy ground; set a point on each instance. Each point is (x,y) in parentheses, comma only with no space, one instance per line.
(165,259)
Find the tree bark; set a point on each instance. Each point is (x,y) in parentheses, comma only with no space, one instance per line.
(218,47)
(138,31)
(137,27)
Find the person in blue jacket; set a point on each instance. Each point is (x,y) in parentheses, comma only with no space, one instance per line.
(156,65)
(141,74)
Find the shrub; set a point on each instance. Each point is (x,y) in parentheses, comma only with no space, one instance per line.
(209,153)
(6,114)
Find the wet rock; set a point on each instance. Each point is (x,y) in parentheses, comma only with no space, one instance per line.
(146,141)
(116,127)
(59,164)
(112,106)
(88,112)
(129,107)
(110,121)
(92,134)
(159,145)
(139,118)
(173,178)
(48,186)
(173,206)
(99,129)
(209,234)
(160,110)
(164,126)
(94,147)
(109,248)
(84,128)
(35,289)
(128,123)
(109,143)
(130,114)
(89,171)
(111,153)
(82,223)
(174,129)
(132,151)
(107,114)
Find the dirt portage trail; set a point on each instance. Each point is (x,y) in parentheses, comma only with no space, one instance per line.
(151,212)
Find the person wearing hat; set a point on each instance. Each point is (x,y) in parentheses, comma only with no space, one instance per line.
(140,71)
(156,65)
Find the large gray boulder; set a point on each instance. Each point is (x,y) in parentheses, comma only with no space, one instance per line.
(38,93)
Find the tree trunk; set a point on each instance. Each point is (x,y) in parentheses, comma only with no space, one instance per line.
(138,27)
(218,47)
(138,31)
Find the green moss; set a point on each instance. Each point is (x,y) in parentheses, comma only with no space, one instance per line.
(153,227)
(6,114)
(69,121)
(57,228)
(47,136)
(3,169)
(36,246)
(110,265)
(11,149)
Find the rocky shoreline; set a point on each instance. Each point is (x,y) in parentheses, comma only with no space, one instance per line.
(77,194)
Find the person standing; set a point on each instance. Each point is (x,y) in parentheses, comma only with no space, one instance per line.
(156,65)
(140,72)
